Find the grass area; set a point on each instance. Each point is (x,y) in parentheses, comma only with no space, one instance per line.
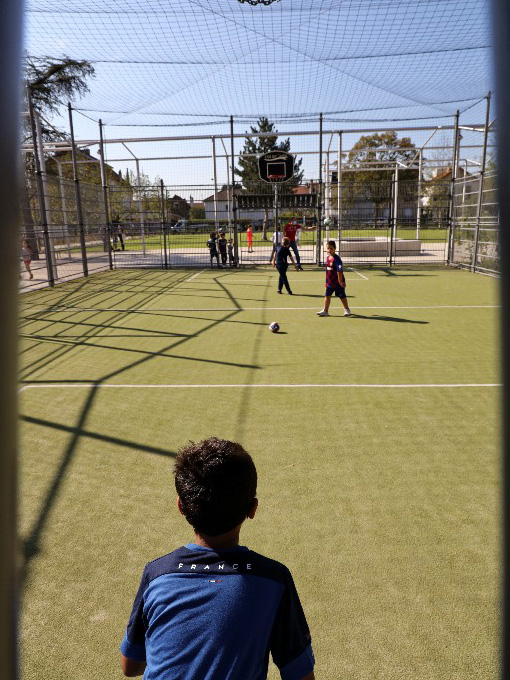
(383,501)
(308,238)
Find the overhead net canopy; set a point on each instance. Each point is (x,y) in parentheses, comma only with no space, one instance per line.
(197,62)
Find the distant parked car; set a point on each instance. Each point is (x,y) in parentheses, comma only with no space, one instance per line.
(179,227)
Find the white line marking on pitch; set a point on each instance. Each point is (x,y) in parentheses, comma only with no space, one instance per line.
(194,276)
(358,273)
(265,386)
(135,310)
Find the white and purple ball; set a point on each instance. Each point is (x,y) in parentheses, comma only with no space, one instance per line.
(274,327)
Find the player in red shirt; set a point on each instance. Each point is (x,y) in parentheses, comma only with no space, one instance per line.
(249,236)
(335,281)
(290,230)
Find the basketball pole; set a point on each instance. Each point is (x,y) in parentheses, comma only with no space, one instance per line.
(277,226)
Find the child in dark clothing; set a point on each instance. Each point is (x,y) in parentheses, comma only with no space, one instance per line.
(222,245)
(213,251)
(231,258)
(281,264)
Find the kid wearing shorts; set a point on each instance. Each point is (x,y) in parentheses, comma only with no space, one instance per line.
(335,281)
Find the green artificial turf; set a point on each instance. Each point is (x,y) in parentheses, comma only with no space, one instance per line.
(383,500)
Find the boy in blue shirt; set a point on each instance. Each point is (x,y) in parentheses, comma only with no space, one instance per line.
(214,610)
(335,281)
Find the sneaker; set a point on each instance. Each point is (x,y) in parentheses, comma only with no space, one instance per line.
(279,291)
(300,268)
(347,312)
(289,292)
(322,313)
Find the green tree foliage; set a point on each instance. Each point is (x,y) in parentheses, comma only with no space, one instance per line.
(197,212)
(368,185)
(51,83)
(248,169)
(54,82)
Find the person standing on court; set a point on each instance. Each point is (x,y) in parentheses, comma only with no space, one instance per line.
(249,236)
(335,281)
(281,264)
(290,231)
(213,251)
(26,254)
(120,234)
(276,238)
(222,247)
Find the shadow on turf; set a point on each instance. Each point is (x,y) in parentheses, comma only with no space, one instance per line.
(31,545)
(378,317)
(392,272)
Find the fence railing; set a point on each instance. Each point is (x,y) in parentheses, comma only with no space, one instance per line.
(475,220)
(385,223)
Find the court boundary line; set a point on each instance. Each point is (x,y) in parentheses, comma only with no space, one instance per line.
(194,276)
(258,386)
(351,268)
(134,310)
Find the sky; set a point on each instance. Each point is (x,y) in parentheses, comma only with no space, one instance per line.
(183,67)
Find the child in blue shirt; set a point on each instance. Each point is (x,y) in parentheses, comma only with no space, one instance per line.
(213,609)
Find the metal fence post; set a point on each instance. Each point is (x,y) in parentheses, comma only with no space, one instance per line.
(482,177)
(107,231)
(394,224)
(339,197)
(163,222)
(215,180)
(318,248)
(79,213)
(234,202)
(40,192)
(451,204)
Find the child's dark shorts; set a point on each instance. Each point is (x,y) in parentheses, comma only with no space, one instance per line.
(338,290)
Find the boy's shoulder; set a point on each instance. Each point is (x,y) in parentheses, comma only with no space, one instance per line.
(195,560)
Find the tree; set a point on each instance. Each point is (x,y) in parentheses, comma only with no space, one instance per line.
(387,150)
(51,83)
(248,169)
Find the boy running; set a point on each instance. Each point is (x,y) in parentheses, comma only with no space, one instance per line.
(335,281)
(213,609)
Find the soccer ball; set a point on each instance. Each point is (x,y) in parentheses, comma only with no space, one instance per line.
(274,327)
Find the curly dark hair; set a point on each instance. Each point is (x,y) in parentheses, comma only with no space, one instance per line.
(216,481)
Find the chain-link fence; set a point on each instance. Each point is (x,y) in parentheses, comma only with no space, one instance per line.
(81,216)
(475,236)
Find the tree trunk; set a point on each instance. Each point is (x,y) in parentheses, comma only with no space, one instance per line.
(28,220)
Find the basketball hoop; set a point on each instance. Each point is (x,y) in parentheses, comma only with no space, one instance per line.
(259,2)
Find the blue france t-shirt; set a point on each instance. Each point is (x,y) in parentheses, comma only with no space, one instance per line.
(216,615)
